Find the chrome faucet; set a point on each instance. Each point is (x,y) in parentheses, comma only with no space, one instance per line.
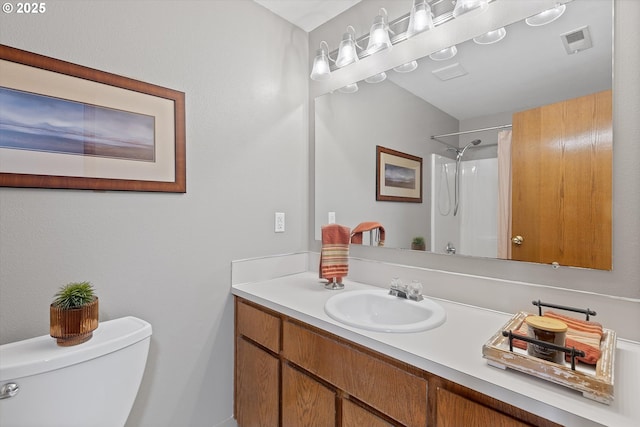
(412,291)
(450,249)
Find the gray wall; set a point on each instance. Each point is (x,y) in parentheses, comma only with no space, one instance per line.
(624,279)
(166,257)
(348,126)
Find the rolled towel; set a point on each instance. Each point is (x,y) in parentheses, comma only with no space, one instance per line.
(581,334)
(356,234)
(334,255)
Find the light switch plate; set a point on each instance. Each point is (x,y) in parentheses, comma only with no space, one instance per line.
(332,217)
(279,222)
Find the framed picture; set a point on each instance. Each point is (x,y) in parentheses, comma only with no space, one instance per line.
(398,176)
(63,125)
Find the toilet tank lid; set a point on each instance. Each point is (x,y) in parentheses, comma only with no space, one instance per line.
(42,354)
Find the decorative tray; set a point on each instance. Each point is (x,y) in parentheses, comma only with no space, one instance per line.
(595,382)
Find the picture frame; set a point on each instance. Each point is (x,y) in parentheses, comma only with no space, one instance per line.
(398,176)
(67,126)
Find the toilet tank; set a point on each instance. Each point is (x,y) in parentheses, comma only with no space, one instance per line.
(93,384)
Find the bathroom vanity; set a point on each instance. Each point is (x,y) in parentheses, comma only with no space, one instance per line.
(294,365)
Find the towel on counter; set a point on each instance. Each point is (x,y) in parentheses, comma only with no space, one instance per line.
(581,334)
(356,234)
(334,255)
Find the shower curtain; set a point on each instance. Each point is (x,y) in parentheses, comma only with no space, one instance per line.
(504,194)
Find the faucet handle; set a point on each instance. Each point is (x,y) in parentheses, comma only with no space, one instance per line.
(414,288)
(397,284)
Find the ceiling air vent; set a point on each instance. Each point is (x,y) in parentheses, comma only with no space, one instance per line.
(577,40)
(450,72)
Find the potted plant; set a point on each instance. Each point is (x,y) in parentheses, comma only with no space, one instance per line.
(74,314)
(417,244)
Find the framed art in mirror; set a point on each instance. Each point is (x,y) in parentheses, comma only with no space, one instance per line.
(398,176)
(64,125)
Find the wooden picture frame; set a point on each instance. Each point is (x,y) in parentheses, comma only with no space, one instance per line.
(398,176)
(64,125)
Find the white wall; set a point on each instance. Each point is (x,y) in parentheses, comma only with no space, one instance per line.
(166,257)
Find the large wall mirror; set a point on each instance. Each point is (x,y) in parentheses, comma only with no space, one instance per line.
(495,125)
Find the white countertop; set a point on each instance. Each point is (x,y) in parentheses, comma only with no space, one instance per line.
(302,296)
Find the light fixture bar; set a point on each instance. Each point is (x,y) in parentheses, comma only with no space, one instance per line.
(398,28)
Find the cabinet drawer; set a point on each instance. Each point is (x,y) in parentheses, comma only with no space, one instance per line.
(258,325)
(390,390)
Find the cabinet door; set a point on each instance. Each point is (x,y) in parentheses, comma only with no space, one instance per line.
(257,395)
(455,411)
(356,416)
(306,402)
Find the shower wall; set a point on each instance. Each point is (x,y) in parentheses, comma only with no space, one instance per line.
(473,231)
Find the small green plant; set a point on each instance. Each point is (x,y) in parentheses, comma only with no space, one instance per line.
(74,295)
(418,241)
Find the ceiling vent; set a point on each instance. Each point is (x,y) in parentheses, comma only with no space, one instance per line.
(577,40)
(450,72)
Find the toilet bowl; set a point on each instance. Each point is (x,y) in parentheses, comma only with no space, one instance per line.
(93,384)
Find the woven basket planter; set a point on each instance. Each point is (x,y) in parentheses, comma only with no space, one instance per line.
(72,326)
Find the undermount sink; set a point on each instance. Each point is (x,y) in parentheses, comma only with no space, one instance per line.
(376,310)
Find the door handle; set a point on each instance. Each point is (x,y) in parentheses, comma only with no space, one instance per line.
(517,240)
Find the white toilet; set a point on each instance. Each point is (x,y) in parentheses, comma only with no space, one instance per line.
(93,384)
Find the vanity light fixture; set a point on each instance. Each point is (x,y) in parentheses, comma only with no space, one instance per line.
(420,18)
(376,78)
(466,6)
(321,69)
(379,33)
(444,54)
(350,88)
(347,52)
(406,68)
(491,37)
(546,17)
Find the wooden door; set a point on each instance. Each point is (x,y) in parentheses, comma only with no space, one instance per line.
(561,182)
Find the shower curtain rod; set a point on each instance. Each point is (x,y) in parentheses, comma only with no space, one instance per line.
(471,131)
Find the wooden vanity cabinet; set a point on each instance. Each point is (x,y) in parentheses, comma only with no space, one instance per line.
(291,374)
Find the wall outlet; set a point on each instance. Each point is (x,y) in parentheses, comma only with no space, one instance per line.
(332,217)
(279,222)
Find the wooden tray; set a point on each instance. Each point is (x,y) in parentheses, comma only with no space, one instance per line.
(595,382)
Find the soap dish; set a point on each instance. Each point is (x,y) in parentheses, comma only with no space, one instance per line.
(595,382)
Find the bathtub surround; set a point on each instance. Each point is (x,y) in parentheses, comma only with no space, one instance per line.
(473,231)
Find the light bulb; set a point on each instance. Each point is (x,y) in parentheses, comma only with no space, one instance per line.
(406,68)
(420,19)
(466,6)
(379,35)
(321,69)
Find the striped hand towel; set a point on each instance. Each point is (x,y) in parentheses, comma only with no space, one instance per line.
(334,255)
